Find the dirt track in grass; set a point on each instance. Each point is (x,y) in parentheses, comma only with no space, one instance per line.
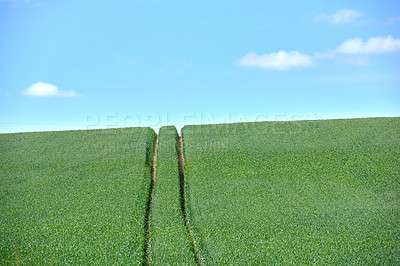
(193,243)
(146,248)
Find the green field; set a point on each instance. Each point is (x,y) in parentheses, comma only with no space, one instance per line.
(302,192)
(75,197)
(309,192)
(169,242)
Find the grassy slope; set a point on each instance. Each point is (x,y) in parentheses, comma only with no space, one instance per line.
(74,197)
(295,192)
(169,241)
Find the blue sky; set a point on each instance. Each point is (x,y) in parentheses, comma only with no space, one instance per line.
(113,63)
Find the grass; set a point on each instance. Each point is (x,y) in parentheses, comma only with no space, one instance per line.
(169,241)
(306,192)
(76,197)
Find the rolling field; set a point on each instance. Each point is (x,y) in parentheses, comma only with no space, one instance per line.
(304,192)
(169,242)
(75,197)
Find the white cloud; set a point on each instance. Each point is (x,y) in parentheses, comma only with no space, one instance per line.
(42,89)
(356,52)
(374,45)
(345,16)
(352,51)
(340,17)
(281,60)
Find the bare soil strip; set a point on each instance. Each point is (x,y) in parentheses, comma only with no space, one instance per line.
(146,248)
(193,243)
(18,259)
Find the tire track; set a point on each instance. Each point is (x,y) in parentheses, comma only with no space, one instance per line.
(147,248)
(194,246)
